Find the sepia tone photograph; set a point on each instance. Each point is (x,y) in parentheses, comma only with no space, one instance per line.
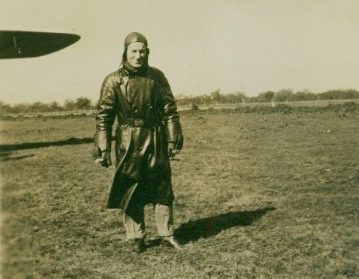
(179,139)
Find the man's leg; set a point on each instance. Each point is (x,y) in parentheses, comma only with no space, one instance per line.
(134,222)
(164,219)
(164,223)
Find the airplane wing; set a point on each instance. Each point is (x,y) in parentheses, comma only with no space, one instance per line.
(24,44)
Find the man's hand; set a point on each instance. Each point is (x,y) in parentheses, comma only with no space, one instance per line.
(175,147)
(103,157)
(172,150)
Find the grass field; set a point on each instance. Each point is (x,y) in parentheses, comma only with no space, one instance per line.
(257,196)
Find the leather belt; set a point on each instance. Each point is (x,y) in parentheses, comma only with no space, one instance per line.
(137,122)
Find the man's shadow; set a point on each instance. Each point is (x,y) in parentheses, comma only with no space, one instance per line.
(210,226)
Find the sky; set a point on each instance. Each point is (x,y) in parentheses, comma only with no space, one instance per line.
(201,45)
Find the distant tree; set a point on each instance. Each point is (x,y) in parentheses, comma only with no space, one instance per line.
(241,97)
(283,95)
(216,96)
(266,96)
(37,107)
(253,99)
(229,98)
(197,100)
(298,96)
(83,103)
(311,96)
(351,94)
(304,95)
(339,94)
(5,108)
(236,97)
(55,106)
(328,95)
(20,108)
(69,105)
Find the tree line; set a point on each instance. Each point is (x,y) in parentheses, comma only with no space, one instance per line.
(284,95)
(215,97)
(81,103)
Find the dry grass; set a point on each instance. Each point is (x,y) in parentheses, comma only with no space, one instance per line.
(257,196)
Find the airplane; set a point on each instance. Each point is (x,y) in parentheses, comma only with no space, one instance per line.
(27,44)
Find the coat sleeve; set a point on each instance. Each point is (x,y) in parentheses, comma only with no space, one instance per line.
(170,114)
(105,116)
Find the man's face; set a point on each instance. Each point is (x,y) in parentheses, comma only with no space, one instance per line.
(136,54)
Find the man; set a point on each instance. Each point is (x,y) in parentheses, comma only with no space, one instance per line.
(147,135)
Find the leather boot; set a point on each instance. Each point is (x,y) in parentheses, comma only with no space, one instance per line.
(139,245)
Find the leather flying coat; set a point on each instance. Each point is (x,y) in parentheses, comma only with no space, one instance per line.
(147,120)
